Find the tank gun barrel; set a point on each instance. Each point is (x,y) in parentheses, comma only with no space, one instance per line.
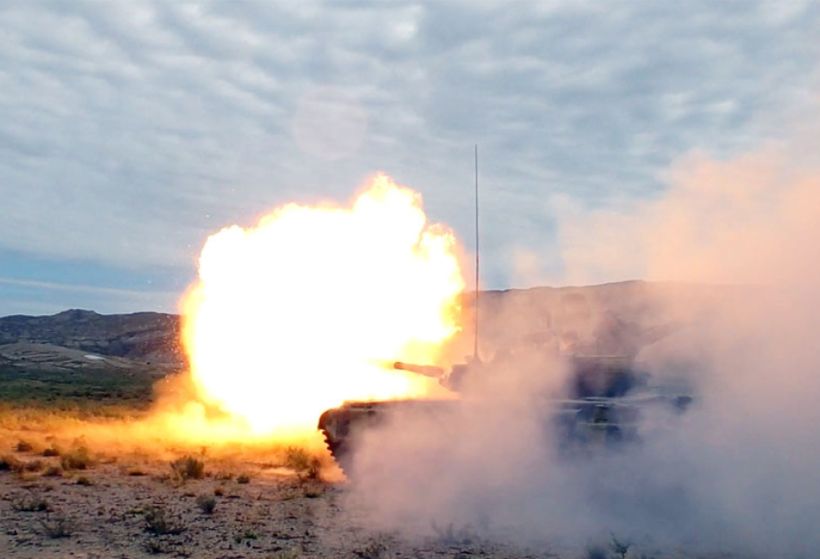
(426,370)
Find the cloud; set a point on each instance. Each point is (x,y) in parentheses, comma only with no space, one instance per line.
(131,131)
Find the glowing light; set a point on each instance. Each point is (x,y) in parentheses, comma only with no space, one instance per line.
(299,313)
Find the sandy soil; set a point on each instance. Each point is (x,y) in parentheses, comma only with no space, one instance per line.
(105,512)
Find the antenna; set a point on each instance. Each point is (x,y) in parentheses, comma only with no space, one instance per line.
(475,337)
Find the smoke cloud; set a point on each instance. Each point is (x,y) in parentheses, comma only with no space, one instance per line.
(736,244)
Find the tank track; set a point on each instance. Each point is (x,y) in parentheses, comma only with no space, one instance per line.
(339,452)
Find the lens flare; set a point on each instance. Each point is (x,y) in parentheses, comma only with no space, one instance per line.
(300,313)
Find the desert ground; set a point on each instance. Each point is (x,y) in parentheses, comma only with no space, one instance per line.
(64,498)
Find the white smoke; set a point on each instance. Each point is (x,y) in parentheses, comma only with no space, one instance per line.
(739,472)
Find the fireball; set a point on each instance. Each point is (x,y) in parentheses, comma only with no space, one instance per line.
(299,313)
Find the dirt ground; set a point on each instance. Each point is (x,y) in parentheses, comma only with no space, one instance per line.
(117,509)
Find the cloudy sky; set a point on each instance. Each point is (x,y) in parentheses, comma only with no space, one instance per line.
(129,131)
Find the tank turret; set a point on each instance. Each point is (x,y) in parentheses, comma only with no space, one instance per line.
(602,403)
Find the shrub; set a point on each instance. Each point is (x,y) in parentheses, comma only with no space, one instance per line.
(77,459)
(10,464)
(156,547)
(243,479)
(313,492)
(57,527)
(206,503)
(376,548)
(84,481)
(188,467)
(51,451)
(30,504)
(158,523)
(53,471)
(246,535)
(33,465)
(23,446)
(305,465)
(219,491)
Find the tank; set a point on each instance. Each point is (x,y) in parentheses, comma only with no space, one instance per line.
(603,404)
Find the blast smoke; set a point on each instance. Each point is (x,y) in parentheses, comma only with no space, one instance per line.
(738,244)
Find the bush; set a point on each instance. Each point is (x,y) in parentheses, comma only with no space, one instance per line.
(156,547)
(10,464)
(158,523)
(246,535)
(305,465)
(51,451)
(206,503)
(57,527)
(376,548)
(188,467)
(77,459)
(30,504)
(243,479)
(33,465)
(23,446)
(53,471)
(84,481)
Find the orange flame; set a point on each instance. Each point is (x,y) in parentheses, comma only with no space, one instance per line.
(298,314)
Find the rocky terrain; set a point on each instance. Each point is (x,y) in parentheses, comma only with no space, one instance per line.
(127,509)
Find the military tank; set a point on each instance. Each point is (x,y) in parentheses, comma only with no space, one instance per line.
(602,404)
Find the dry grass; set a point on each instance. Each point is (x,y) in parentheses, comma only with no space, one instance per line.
(306,466)
(30,503)
(76,459)
(53,471)
(57,526)
(10,463)
(206,503)
(159,523)
(186,468)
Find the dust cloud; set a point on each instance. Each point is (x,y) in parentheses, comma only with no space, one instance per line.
(734,249)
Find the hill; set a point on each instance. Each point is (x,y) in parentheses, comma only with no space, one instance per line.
(148,337)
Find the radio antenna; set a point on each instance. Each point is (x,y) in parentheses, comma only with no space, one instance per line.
(477,268)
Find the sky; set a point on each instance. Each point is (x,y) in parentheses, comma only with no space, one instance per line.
(130,131)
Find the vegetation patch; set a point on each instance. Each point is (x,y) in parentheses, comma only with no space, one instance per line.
(76,459)
(187,467)
(159,523)
(305,465)
(57,526)
(206,503)
(30,503)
